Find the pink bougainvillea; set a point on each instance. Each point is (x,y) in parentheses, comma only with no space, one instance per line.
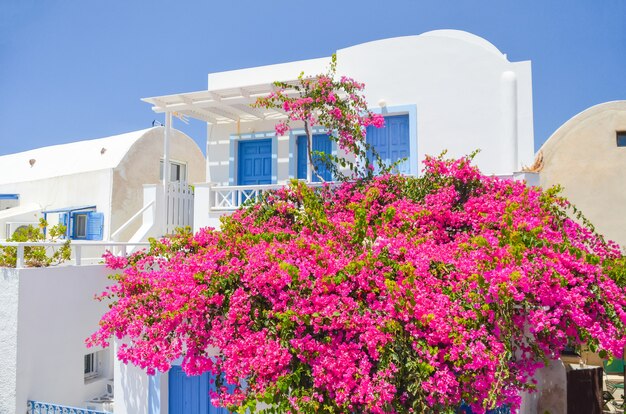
(397,294)
(339,107)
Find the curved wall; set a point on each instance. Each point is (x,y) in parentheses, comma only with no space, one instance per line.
(583,157)
(141,165)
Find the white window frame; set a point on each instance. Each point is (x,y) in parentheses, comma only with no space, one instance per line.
(182,170)
(91,366)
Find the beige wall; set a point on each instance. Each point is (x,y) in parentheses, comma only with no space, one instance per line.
(141,166)
(584,158)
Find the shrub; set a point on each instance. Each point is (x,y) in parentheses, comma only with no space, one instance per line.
(396,294)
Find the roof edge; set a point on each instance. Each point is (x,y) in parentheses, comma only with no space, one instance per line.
(580,117)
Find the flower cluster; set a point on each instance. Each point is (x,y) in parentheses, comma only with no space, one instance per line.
(397,294)
(338,106)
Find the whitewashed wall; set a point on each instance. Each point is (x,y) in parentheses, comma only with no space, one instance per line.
(131,389)
(46,315)
(9,293)
(140,166)
(116,188)
(86,188)
(466,94)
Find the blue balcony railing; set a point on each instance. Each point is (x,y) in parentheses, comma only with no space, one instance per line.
(38,407)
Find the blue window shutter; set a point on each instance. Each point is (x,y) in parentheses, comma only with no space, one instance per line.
(95,223)
(392,142)
(302,158)
(321,143)
(63,220)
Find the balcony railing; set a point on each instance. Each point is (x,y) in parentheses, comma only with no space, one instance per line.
(212,201)
(78,248)
(38,407)
(230,198)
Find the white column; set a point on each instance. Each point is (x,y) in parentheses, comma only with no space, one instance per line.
(508,83)
(209,129)
(154,393)
(309,165)
(166,164)
(202,206)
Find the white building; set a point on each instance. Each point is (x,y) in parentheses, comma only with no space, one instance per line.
(442,90)
(93,186)
(45,316)
(103,189)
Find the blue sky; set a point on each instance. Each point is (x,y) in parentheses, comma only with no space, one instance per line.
(76,69)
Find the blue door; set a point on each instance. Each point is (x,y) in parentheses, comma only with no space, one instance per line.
(321,143)
(392,141)
(255,162)
(190,395)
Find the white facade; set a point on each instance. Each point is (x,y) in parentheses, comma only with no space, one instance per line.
(47,313)
(107,173)
(45,317)
(455,91)
(460,92)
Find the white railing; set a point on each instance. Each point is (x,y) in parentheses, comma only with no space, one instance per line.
(135,216)
(78,247)
(179,206)
(230,198)
(224,199)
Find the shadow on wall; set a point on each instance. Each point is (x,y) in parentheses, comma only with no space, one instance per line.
(135,385)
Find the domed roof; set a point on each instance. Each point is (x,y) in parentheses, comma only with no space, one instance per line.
(65,159)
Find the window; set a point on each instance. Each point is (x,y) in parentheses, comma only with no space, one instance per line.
(80,226)
(85,225)
(178,171)
(91,366)
(98,365)
(621,138)
(321,143)
(255,162)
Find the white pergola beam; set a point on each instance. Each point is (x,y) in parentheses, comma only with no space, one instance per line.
(223,106)
(223,113)
(251,111)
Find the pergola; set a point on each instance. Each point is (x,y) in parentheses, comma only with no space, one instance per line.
(220,106)
(224,106)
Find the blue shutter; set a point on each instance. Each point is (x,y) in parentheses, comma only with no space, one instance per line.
(399,141)
(63,220)
(302,158)
(321,143)
(391,142)
(95,224)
